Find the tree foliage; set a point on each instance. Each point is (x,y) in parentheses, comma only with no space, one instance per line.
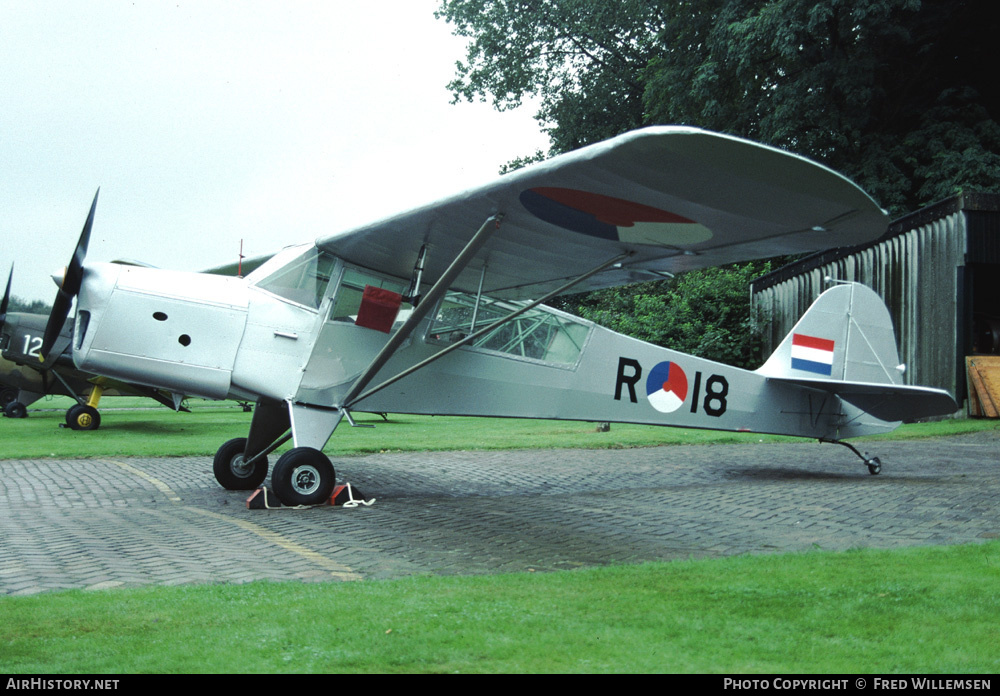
(582,60)
(705,313)
(898,95)
(16,304)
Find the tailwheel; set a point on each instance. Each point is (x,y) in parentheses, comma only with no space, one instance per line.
(303,476)
(874,466)
(231,469)
(83,417)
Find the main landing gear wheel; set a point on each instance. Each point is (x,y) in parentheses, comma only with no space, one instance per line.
(15,409)
(303,476)
(83,417)
(7,396)
(232,472)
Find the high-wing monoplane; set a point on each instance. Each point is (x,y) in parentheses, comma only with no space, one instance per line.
(25,377)
(440,310)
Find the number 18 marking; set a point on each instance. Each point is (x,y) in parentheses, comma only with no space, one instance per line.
(716,390)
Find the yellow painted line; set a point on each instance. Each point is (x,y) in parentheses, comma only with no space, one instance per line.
(335,569)
(160,485)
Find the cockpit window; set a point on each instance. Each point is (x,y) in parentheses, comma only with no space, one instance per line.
(352,287)
(542,333)
(302,280)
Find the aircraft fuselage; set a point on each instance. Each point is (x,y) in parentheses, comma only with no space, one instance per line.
(288,333)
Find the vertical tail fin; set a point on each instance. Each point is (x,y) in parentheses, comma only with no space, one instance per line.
(844,345)
(846,335)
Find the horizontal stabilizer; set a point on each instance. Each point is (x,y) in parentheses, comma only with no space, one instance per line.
(888,402)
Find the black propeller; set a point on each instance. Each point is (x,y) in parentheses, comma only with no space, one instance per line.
(72,279)
(6,298)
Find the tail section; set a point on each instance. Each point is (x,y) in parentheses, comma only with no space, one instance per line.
(844,344)
(845,335)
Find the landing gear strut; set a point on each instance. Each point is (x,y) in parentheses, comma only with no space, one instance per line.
(873,463)
(84,415)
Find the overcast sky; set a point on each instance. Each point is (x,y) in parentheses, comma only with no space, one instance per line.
(205,122)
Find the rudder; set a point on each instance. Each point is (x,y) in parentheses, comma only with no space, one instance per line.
(845,335)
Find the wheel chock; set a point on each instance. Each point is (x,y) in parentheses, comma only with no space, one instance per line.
(263,499)
(343,496)
(347,496)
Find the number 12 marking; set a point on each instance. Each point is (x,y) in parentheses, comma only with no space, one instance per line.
(32,345)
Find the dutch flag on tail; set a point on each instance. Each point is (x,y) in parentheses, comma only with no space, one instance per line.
(812,354)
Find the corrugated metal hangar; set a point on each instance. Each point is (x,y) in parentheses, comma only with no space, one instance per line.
(937,269)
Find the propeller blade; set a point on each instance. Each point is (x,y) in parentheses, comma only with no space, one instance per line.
(72,279)
(6,297)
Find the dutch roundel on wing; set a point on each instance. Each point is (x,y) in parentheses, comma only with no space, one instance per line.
(611,218)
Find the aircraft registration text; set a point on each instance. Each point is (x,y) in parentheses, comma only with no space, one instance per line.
(668,387)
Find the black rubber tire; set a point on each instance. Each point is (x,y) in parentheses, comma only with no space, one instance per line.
(15,409)
(7,396)
(229,470)
(303,476)
(82,417)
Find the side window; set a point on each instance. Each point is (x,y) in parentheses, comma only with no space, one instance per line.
(541,333)
(302,280)
(352,286)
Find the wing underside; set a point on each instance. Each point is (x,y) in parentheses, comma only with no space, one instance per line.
(670,198)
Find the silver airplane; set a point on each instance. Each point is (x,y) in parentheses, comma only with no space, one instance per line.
(440,310)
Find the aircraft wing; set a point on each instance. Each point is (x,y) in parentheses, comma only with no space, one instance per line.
(243,268)
(673,198)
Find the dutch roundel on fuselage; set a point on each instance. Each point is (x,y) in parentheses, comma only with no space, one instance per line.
(666,387)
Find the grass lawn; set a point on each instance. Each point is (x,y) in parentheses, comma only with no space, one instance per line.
(159,431)
(914,610)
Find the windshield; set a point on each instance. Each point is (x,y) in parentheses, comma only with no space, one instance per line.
(302,280)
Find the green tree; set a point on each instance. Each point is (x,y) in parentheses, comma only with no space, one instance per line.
(899,95)
(582,60)
(705,313)
(16,304)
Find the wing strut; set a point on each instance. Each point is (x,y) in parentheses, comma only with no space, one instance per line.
(473,336)
(427,303)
